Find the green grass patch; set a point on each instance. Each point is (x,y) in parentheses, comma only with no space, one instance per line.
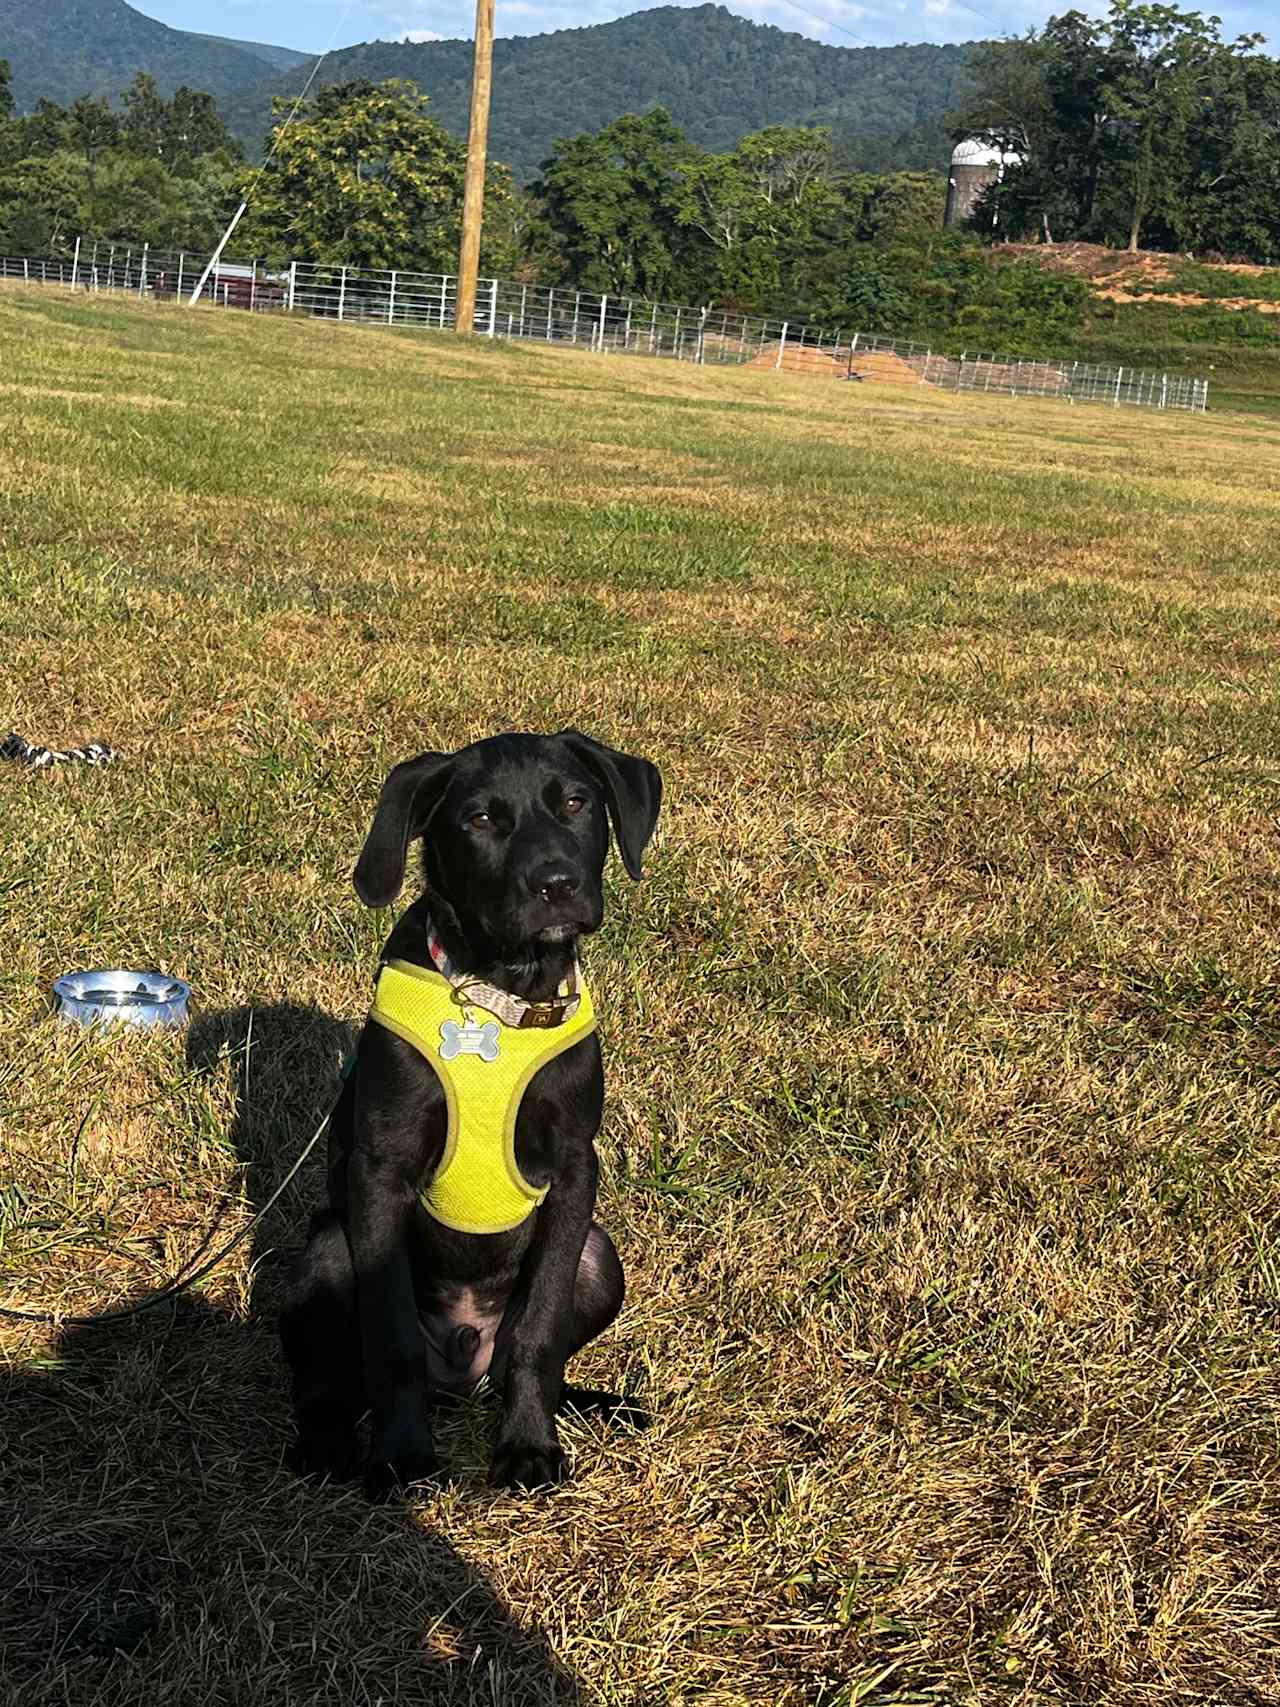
(942,1135)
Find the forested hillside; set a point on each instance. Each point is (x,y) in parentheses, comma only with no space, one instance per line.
(718,76)
(60,49)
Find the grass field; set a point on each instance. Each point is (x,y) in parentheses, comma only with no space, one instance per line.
(942,1134)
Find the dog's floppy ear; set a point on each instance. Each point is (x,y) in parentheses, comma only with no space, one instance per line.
(409,797)
(633,789)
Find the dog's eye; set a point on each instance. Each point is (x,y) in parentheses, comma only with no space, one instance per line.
(479,820)
(575,803)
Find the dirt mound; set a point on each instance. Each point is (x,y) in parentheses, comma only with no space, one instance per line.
(1119,276)
(1092,261)
(835,364)
(885,365)
(796,358)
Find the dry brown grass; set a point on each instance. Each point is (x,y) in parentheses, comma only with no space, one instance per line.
(942,1036)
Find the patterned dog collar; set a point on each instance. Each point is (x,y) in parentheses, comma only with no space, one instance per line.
(513,1011)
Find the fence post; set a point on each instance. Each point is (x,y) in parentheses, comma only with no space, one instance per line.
(182,256)
(604,303)
(551,308)
(75,264)
(1116,404)
(391,300)
(142,279)
(1164,389)
(342,295)
(26,270)
(253,285)
(577,304)
(782,345)
(444,296)
(293,284)
(653,327)
(524,302)
(675,344)
(493,309)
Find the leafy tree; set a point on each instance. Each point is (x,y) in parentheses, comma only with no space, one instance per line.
(1145,122)
(785,163)
(365,177)
(900,205)
(1158,67)
(163,172)
(193,130)
(1231,202)
(43,200)
(613,203)
(145,113)
(9,130)
(91,128)
(761,211)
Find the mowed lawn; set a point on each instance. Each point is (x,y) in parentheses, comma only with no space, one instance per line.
(942,1034)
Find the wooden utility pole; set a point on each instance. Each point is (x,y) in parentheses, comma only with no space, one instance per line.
(464,319)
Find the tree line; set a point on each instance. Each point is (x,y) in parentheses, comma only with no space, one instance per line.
(1143,126)
(166,172)
(366,177)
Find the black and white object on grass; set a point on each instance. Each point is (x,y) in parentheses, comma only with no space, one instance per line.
(21,752)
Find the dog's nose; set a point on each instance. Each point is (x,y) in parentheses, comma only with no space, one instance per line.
(554,883)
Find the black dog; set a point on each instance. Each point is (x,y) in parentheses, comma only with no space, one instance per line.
(395,1305)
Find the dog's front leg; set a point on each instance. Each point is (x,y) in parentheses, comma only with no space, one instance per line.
(528,1453)
(381,1185)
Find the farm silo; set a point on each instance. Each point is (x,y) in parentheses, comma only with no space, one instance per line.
(974,166)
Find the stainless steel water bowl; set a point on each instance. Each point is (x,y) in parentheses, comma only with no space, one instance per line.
(148,1000)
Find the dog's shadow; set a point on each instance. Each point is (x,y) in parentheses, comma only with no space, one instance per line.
(154,1544)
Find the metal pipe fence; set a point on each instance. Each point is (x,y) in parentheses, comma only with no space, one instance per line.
(604,324)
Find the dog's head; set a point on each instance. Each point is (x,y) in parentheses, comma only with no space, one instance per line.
(515,831)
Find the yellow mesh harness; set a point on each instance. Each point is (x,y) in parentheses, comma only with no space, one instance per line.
(484,1069)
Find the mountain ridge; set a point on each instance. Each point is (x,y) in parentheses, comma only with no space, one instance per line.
(61,49)
(718,75)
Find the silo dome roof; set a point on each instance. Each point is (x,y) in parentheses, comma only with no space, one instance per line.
(972,152)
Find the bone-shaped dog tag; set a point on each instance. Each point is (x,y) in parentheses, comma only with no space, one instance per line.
(469,1039)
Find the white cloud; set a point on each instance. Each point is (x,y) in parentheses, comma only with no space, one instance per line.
(421,35)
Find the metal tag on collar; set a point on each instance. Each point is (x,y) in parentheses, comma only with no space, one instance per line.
(469,1039)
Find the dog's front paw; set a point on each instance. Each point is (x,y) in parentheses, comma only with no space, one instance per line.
(330,1458)
(326,1446)
(395,1467)
(387,1477)
(523,1465)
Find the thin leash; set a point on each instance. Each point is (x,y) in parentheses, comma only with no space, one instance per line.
(183,1282)
(26,753)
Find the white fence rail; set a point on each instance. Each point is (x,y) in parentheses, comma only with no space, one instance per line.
(608,325)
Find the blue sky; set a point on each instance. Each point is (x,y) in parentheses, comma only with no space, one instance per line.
(309,24)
